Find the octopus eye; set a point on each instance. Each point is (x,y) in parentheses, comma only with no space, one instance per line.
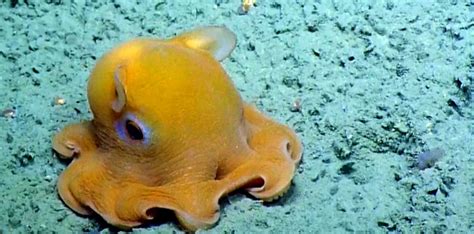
(130,129)
(133,130)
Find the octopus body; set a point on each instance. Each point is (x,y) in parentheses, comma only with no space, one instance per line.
(171,132)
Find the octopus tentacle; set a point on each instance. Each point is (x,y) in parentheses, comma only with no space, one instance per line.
(139,202)
(265,177)
(267,169)
(74,139)
(75,185)
(266,133)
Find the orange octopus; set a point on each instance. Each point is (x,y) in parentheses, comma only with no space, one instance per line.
(171,132)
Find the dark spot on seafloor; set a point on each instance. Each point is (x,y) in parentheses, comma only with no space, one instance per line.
(13,3)
(250,46)
(401,70)
(316,53)
(388,225)
(342,64)
(9,138)
(347,168)
(312,28)
(453,103)
(397,177)
(25,159)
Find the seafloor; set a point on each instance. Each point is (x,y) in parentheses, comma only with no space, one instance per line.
(368,85)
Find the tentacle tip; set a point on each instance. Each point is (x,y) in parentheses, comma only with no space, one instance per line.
(65,150)
(190,223)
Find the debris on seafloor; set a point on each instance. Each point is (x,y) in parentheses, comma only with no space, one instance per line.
(246,5)
(296,106)
(428,158)
(9,113)
(59,101)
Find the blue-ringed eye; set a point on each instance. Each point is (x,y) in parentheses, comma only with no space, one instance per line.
(134,131)
(129,128)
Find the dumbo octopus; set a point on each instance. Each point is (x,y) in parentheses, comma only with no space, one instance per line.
(171,132)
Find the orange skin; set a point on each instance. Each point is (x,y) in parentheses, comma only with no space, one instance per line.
(170,131)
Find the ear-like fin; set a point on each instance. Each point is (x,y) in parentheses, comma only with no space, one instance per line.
(219,41)
(121,99)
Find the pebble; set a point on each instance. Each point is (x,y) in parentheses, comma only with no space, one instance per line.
(9,113)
